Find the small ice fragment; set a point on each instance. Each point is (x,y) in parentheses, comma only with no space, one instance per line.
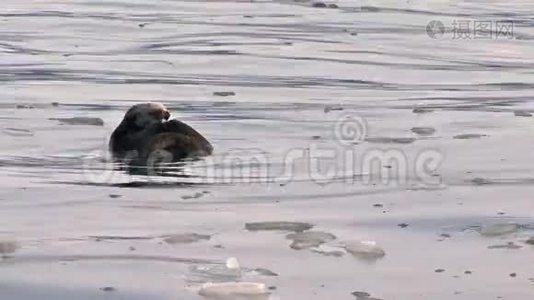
(494,229)
(278,226)
(330,108)
(329,250)
(522,113)
(309,239)
(80,121)
(224,94)
(185,238)
(467,136)
(233,290)
(423,130)
(365,249)
(361,295)
(232,263)
(264,272)
(211,273)
(194,196)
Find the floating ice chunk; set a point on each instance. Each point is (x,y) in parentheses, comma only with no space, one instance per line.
(309,239)
(522,113)
(232,263)
(361,295)
(278,226)
(494,229)
(185,238)
(80,121)
(224,94)
(365,249)
(468,136)
(330,108)
(108,289)
(229,272)
(423,130)
(194,196)
(234,290)
(262,272)
(329,250)
(209,273)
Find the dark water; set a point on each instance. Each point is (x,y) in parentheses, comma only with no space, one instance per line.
(319,94)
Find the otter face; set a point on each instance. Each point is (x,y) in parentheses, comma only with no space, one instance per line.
(143,115)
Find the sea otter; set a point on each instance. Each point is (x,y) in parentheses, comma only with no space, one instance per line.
(146,133)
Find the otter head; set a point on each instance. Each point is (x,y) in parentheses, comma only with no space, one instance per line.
(143,115)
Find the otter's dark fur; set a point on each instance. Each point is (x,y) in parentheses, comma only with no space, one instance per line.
(145,132)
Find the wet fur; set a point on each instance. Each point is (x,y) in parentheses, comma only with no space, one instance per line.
(144,133)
